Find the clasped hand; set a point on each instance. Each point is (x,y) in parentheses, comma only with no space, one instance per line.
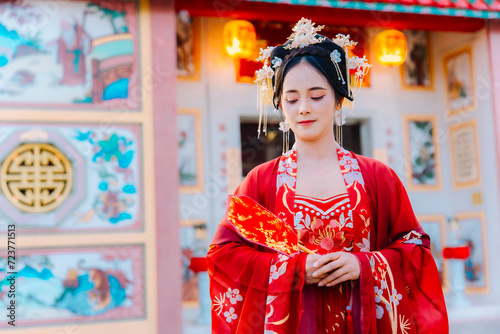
(331,269)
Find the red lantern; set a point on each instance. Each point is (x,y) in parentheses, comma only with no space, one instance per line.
(240,38)
(390,47)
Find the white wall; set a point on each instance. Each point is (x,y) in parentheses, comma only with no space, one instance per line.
(222,101)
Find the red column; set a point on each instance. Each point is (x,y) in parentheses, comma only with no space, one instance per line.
(166,174)
(494,55)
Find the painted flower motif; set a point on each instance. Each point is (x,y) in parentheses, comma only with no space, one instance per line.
(234,295)
(335,56)
(328,236)
(411,238)
(270,299)
(230,315)
(291,164)
(342,150)
(304,236)
(317,225)
(364,246)
(380,311)
(287,166)
(372,263)
(285,179)
(273,274)
(351,177)
(396,297)
(378,294)
(349,163)
(301,222)
(276,62)
(276,272)
(297,220)
(219,302)
(282,257)
(383,284)
(413,241)
(344,221)
(327,243)
(344,239)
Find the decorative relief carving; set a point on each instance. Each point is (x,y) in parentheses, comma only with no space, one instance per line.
(36,177)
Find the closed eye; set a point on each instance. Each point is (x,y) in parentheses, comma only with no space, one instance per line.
(318,98)
(291,101)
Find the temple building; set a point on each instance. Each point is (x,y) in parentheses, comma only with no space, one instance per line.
(124,125)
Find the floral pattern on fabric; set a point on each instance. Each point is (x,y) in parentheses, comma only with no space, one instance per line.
(276,315)
(387,297)
(392,290)
(412,237)
(326,231)
(341,223)
(325,226)
(224,305)
(286,173)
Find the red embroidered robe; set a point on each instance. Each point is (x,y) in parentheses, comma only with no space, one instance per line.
(255,290)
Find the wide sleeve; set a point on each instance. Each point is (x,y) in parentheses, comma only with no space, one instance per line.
(399,286)
(253,289)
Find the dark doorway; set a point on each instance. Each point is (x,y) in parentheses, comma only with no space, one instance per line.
(255,151)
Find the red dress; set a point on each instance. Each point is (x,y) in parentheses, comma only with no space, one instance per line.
(256,290)
(322,227)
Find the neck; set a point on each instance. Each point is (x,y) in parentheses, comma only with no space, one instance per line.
(324,148)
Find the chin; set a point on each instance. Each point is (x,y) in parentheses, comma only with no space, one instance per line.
(307,136)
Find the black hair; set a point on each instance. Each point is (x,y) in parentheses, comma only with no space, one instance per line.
(318,56)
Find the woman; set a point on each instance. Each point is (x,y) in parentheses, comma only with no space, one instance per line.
(364,272)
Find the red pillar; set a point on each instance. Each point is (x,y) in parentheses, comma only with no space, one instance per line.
(494,55)
(166,174)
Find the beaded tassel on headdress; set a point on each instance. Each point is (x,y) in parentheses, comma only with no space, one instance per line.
(264,86)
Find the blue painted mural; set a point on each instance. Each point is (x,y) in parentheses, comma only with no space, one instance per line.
(106,189)
(68,53)
(81,284)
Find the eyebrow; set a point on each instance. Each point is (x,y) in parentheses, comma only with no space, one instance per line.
(312,88)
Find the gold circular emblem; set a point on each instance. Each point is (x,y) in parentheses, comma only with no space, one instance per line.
(36,178)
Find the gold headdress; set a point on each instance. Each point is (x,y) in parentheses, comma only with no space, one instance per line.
(305,33)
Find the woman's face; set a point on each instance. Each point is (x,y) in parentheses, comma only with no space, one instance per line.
(308,102)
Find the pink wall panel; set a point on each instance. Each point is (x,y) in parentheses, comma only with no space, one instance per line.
(494,48)
(166,173)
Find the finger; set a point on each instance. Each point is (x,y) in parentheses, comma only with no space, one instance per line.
(333,276)
(331,266)
(338,280)
(327,258)
(313,280)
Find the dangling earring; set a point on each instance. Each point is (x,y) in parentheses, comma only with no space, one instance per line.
(339,120)
(285,128)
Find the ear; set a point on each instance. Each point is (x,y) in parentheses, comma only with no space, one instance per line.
(339,104)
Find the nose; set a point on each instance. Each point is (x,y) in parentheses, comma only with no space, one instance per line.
(305,108)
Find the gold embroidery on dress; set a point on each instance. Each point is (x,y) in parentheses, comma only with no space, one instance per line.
(273,239)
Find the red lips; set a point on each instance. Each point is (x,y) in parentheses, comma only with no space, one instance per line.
(306,122)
